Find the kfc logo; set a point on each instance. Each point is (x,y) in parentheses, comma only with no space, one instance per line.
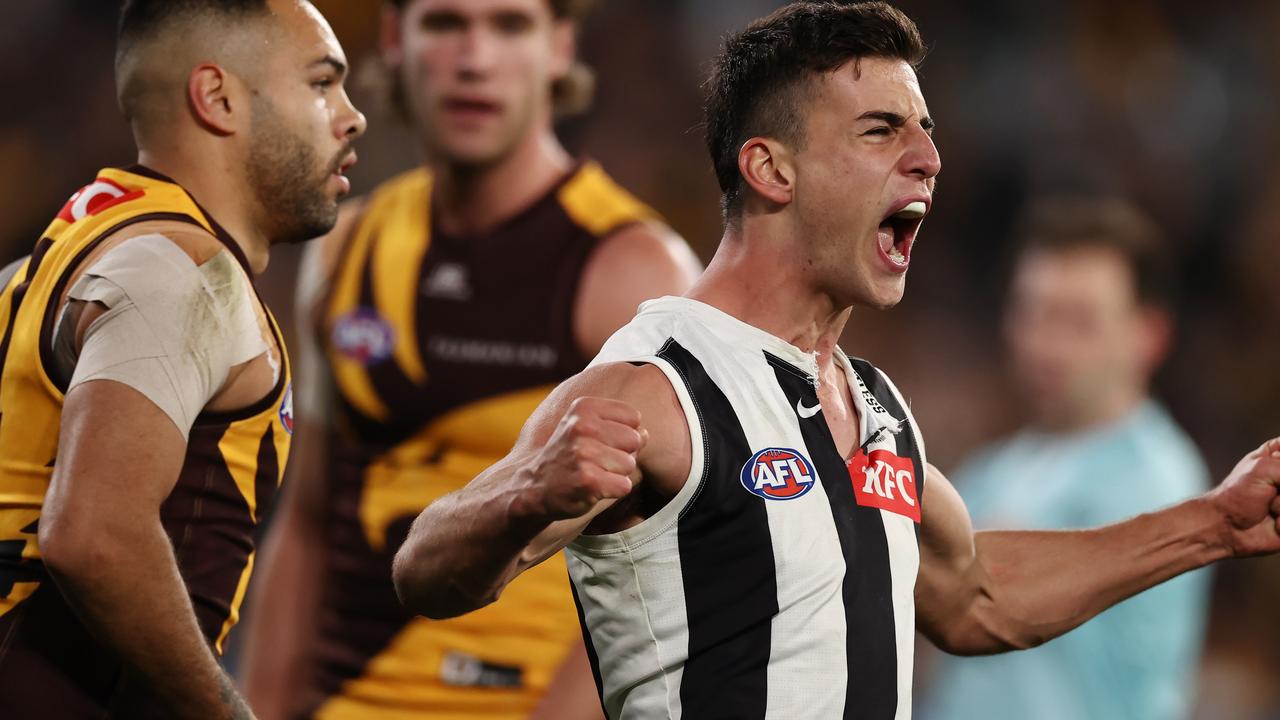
(885,481)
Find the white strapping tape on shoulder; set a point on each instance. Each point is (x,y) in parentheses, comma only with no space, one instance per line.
(172,330)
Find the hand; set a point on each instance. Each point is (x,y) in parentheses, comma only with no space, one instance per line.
(1248,502)
(591,456)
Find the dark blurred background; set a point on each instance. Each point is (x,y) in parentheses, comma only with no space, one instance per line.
(1175,105)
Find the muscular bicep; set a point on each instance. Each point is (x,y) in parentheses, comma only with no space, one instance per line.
(948,558)
(119,456)
(537,431)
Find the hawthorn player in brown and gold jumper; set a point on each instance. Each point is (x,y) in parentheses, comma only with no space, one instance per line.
(145,396)
(444,307)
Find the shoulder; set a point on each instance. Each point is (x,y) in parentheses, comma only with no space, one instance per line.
(646,387)
(631,236)
(180,277)
(164,262)
(641,385)
(597,203)
(635,263)
(646,252)
(409,185)
(160,240)
(633,382)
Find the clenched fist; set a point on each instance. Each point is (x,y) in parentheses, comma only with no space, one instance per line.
(1248,501)
(590,457)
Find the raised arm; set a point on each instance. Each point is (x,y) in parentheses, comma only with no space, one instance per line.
(1009,590)
(576,456)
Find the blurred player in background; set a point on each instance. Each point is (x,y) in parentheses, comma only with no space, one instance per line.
(444,307)
(145,411)
(1087,327)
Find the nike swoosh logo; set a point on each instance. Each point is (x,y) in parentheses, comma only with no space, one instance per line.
(807,412)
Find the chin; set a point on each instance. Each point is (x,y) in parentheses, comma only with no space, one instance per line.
(313,226)
(884,298)
(467,149)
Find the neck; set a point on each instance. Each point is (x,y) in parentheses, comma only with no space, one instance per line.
(472,200)
(208,181)
(748,278)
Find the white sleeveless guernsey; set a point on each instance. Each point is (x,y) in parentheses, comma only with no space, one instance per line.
(778,583)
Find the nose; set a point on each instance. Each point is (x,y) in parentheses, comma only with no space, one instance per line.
(350,123)
(922,158)
(478,51)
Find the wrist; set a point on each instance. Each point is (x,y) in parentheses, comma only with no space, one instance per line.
(526,507)
(1212,529)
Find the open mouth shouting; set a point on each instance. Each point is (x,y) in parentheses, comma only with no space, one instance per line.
(897,232)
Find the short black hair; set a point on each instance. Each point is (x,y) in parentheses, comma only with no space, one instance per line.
(1059,224)
(754,83)
(143,20)
(140,19)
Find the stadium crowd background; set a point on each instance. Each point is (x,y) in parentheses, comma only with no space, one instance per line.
(1174,104)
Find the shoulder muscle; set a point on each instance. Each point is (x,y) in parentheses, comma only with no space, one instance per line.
(636,263)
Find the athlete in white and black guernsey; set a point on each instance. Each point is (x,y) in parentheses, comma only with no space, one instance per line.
(753,530)
(776,551)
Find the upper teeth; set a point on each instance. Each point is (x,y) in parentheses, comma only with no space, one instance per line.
(912,211)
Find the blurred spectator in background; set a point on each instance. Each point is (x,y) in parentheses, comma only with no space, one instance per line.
(440,313)
(1087,327)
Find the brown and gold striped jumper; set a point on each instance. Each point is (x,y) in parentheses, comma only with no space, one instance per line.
(440,347)
(50,666)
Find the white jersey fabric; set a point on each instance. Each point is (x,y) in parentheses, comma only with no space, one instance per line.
(778,583)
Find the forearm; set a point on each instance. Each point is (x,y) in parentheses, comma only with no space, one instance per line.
(464,547)
(1026,588)
(159,639)
(575,458)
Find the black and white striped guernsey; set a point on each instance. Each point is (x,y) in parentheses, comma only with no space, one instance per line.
(778,583)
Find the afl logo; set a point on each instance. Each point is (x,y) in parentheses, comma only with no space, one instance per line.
(778,474)
(286,409)
(363,336)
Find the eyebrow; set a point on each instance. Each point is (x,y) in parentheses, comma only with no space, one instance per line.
(893,119)
(338,66)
